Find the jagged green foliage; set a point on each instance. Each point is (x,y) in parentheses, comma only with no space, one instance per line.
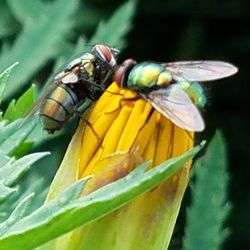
(20,107)
(12,134)
(67,212)
(12,141)
(113,31)
(4,78)
(7,25)
(11,170)
(27,11)
(206,217)
(39,41)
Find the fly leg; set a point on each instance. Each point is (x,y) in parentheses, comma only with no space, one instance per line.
(102,88)
(79,114)
(132,99)
(98,86)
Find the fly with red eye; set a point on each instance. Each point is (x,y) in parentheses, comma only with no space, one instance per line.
(83,78)
(173,88)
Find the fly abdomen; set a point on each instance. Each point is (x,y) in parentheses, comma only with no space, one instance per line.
(58,107)
(195,92)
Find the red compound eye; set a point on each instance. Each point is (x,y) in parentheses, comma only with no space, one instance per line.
(104,52)
(119,74)
(122,73)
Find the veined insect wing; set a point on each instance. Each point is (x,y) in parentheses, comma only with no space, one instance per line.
(70,78)
(176,105)
(201,71)
(39,102)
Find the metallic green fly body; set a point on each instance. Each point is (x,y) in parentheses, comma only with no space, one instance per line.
(173,88)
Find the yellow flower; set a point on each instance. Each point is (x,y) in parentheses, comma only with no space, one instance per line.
(121,132)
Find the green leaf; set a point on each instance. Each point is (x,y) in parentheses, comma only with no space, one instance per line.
(115,29)
(8,25)
(4,77)
(209,209)
(11,170)
(58,217)
(5,192)
(68,196)
(7,130)
(3,159)
(46,33)
(30,183)
(18,109)
(16,215)
(27,11)
(73,192)
(12,135)
(23,148)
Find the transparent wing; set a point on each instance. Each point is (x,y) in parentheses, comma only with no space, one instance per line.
(201,71)
(176,105)
(62,77)
(39,102)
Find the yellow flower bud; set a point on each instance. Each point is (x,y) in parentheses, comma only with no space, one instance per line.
(123,131)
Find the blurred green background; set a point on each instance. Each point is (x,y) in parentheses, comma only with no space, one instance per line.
(161,31)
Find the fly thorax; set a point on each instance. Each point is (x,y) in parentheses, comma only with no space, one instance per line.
(164,79)
(78,61)
(88,68)
(148,75)
(195,92)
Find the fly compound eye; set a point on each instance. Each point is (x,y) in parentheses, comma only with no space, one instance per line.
(119,75)
(122,73)
(105,54)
